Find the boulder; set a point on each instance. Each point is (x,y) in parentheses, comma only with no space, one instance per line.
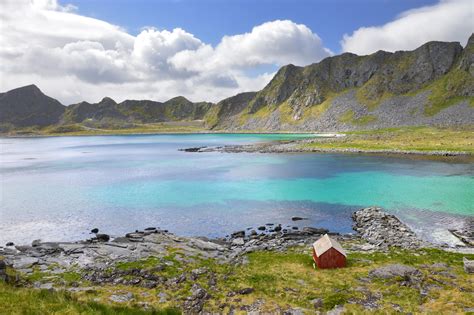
(103,237)
(121,298)
(314,231)
(317,303)
(238,234)
(95,230)
(298,218)
(245,291)
(238,241)
(468,265)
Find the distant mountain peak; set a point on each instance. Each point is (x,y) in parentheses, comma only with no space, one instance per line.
(31,88)
(107,100)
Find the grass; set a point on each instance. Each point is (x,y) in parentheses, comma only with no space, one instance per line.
(79,130)
(372,93)
(280,279)
(409,138)
(448,90)
(349,118)
(289,279)
(15,300)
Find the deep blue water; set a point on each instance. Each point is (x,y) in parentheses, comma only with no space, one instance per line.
(58,188)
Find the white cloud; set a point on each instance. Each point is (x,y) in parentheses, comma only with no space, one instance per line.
(278,42)
(448,20)
(73,57)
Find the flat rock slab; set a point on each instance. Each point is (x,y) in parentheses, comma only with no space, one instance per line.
(24,262)
(396,271)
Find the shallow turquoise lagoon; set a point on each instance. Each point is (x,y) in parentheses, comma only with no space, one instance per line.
(58,188)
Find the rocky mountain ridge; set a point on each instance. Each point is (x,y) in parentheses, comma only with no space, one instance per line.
(432,85)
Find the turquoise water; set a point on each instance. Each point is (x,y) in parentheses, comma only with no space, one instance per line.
(59,188)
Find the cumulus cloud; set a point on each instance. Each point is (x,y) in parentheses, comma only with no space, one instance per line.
(73,57)
(448,20)
(278,42)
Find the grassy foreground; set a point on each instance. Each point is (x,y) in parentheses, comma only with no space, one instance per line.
(279,281)
(423,139)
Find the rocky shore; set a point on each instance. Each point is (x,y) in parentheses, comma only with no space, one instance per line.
(156,259)
(299,146)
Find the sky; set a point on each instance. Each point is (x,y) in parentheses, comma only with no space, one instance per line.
(205,50)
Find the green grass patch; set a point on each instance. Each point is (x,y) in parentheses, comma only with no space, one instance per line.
(15,300)
(409,138)
(448,91)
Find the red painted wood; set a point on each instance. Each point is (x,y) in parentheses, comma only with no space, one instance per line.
(330,259)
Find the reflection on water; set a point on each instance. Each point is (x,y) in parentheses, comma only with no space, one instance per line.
(60,188)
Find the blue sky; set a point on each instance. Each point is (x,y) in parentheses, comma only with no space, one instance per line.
(205,50)
(210,20)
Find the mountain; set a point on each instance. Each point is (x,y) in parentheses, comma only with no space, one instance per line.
(108,113)
(28,106)
(431,85)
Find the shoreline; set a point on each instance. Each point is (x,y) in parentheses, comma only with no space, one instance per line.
(289,147)
(243,132)
(210,276)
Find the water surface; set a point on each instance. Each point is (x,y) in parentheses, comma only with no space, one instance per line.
(58,188)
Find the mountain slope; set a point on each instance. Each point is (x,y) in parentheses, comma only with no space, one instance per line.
(28,106)
(107,112)
(432,85)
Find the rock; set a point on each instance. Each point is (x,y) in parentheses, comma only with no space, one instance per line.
(194,149)
(293,311)
(121,298)
(244,291)
(95,230)
(195,302)
(384,230)
(103,237)
(24,262)
(261,228)
(409,275)
(337,310)
(238,234)
(439,265)
(253,233)
(295,228)
(198,272)
(43,286)
(314,231)
(3,271)
(36,243)
(238,242)
(317,303)
(163,297)
(298,218)
(10,244)
(468,265)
